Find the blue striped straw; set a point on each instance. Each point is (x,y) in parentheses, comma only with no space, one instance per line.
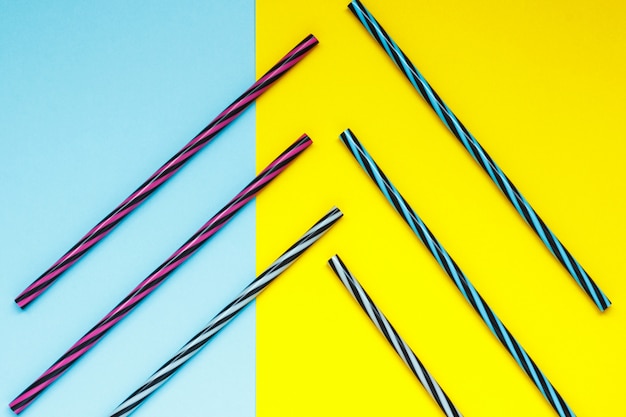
(454,272)
(480,155)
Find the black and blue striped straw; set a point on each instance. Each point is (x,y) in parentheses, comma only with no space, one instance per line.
(454,272)
(480,155)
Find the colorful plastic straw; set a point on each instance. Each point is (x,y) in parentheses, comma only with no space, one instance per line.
(395,340)
(165,372)
(160,274)
(454,272)
(164,173)
(480,155)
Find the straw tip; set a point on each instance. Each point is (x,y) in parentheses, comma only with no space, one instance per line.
(14,408)
(334,260)
(335,211)
(311,37)
(21,303)
(305,139)
(346,135)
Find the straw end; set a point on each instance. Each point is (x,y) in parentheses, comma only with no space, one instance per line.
(347,136)
(603,308)
(347,131)
(353,4)
(308,42)
(313,39)
(334,214)
(15,409)
(336,210)
(22,302)
(303,141)
(306,137)
(334,261)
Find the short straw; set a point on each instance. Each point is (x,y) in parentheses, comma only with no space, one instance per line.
(159,275)
(395,340)
(454,272)
(165,172)
(480,156)
(165,372)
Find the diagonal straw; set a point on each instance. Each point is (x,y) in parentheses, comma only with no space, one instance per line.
(395,340)
(159,275)
(480,156)
(164,173)
(454,272)
(165,372)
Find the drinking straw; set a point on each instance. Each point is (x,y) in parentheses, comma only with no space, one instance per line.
(395,340)
(164,173)
(454,272)
(159,275)
(193,346)
(480,156)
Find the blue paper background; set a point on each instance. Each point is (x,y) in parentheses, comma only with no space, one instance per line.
(95,96)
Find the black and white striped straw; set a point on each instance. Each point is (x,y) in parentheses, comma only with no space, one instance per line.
(165,372)
(395,340)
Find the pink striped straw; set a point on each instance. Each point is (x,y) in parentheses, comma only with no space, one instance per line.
(159,275)
(164,173)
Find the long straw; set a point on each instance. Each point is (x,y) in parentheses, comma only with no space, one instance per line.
(454,272)
(395,340)
(480,156)
(164,173)
(165,372)
(159,275)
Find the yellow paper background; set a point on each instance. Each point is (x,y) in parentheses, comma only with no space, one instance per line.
(541,86)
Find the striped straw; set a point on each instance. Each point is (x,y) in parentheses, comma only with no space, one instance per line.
(159,275)
(395,340)
(165,372)
(480,156)
(164,173)
(454,272)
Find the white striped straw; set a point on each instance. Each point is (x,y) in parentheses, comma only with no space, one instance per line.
(399,345)
(165,372)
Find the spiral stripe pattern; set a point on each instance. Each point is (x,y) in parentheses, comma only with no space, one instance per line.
(193,346)
(480,156)
(164,173)
(458,277)
(159,275)
(395,340)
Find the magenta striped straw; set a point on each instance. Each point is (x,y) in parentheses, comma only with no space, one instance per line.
(159,275)
(164,173)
